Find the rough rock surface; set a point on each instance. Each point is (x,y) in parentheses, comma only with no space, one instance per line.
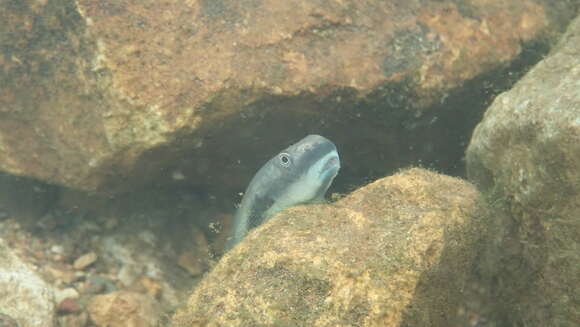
(97,95)
(124,309)
(525,155)
(393,253)
(24,296)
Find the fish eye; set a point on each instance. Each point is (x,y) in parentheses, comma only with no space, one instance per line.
(284,159)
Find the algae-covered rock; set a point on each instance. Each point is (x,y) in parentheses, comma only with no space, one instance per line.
(525,155)
(107,95)
(393,253)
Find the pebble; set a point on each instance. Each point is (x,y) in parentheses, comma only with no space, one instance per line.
(68,306)
(57,249)
(67,293)
(60,274)
(191,263)
(96,284)
(153,288)
(85,260)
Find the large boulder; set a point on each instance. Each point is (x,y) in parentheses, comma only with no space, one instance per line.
(525,155)
(393,253)
(24,295)
(97,95)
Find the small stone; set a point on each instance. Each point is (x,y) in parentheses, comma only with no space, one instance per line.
(153,288)
(57,249)
(97,284)
(68,306)
(196,259)
(191,263)
(85,260)
(67,293)
(80,275)
(128,274)
(120,309)
(60,274)
(58,258)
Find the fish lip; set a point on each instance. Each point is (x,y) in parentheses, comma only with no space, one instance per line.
(334,161)
(332,166)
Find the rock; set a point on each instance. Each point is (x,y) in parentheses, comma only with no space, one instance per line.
(24,296)
(7,321)
(85,260)
(124,309)
(96,284)
(68,306)
(196,259)
(57,249)
(393,253)
(190,262)
(138,257)
(153,288)
(59,274)
(67,293)
(146,86)
(74,320)
(525,155)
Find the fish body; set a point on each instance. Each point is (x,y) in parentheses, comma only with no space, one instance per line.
(300,174)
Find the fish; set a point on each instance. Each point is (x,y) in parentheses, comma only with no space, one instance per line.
(299,174)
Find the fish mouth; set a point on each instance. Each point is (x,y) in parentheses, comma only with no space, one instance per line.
(331,168)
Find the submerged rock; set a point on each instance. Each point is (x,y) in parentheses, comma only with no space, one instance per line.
(101,95)
(393,253)
(24,295)
(525,155)
(124,309)
(7,321)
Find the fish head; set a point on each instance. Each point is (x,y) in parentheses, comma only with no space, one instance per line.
(306,169)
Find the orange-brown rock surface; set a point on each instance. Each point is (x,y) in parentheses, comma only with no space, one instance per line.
(97,95)
(124,309)
(393,253)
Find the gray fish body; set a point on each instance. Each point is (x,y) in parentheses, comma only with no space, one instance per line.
(299,174)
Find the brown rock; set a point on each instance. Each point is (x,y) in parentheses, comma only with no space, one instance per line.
(85,260)
(143,77)
(152,287)
(67,293)
(525,155)
(124,309)
(68,306)
(196,259)
(393,253)
(59,273)
(191,262)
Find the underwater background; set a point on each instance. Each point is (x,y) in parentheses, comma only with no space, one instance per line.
(130,131)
